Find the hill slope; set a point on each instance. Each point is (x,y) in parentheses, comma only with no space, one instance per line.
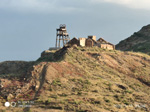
(139,41)
(84,80)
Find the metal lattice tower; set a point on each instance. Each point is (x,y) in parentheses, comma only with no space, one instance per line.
(62,35)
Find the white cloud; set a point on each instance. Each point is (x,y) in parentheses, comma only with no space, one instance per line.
(53,6)
(138,4)
(44,6)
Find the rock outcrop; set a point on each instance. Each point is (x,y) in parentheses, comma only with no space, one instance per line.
(138,42)
(14,67)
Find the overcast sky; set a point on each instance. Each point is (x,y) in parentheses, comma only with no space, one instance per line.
(28,27)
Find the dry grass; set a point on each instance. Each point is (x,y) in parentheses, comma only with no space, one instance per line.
(95,80)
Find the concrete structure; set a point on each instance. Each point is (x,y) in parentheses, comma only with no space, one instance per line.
(92,37)
(61,35)
(104,44)
(73,41)
(82,41)
(91,41)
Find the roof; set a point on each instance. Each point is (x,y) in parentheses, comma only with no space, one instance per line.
(74,39)
(92,40)
(104,41)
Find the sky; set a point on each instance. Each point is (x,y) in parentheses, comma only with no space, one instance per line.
(28,27)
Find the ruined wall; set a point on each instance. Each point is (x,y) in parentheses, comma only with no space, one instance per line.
(97,44)
(107,46)
(110,47)
(82,41)
(92,37)
(89,43)
(74,41)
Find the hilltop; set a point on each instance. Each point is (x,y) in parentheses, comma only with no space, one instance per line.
(83,79)
(138,42)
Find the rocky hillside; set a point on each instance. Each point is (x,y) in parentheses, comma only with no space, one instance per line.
(82,80)
(138,42)
(14,67)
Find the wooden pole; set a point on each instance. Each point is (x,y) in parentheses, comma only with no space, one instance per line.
(56,38)
(59,41)
(63,40)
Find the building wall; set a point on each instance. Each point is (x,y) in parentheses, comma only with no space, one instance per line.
(92,37)
(110,47)
(97,44)
(82,41)
(107,46)
(74,41)
(101,40)
(89,43)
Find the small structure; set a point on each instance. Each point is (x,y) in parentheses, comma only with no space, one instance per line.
(104,44)
(73,41)
(61,35)
(91,41)
(82,41)
(92,37)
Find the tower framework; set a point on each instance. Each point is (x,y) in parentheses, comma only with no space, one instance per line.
(61,35)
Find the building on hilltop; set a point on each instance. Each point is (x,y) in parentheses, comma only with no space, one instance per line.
(62,37)
(92,37)
(104,44)
(74,41)
(90,42)
(82,41)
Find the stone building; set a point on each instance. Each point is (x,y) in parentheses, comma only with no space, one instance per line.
(73,41)
(82,41)
(91,41)
(104,44)
(92,37)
